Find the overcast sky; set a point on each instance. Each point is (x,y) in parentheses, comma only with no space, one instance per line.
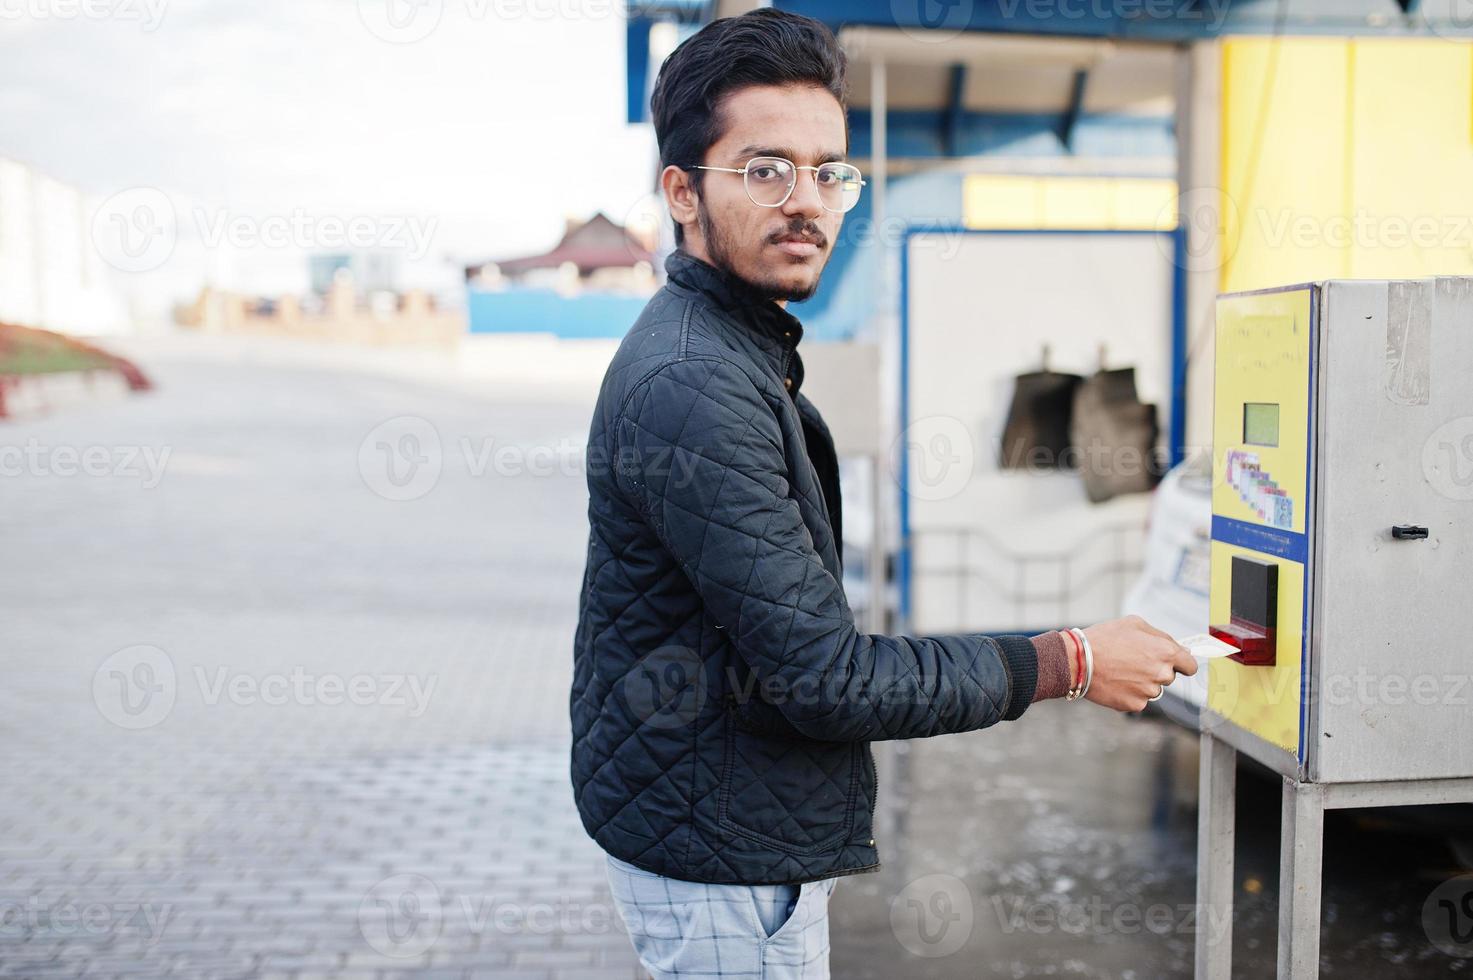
(491,120)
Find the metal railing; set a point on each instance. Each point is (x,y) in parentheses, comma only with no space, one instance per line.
(1017,597)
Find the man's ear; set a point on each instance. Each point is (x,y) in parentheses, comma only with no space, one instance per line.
(680,196)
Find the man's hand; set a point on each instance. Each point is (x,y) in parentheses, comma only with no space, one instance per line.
(1133,662)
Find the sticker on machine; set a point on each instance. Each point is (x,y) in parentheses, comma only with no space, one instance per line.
(1245,474)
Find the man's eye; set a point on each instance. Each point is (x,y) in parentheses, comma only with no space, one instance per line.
(765,173)
(828,178)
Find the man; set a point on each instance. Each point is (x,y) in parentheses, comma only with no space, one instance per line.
(723,700)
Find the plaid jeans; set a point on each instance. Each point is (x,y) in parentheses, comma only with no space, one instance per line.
(753,932)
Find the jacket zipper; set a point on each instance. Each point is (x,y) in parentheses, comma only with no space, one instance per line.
(874,772)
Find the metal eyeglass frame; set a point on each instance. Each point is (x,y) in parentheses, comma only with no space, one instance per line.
(791,187)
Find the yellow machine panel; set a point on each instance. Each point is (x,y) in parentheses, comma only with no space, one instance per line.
(1262,392)
(1263,700)
(1260,502)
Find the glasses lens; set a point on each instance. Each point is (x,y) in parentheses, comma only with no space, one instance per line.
(838,186)
(769,179)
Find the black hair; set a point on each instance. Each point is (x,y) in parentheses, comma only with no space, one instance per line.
(761,47)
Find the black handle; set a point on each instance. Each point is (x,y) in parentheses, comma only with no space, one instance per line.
(1408,531)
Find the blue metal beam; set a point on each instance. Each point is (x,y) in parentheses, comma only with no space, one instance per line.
(681,11)
(1157,20)
(955,114)
(637,60)
(1176,441)
(923,134)
(1073,109)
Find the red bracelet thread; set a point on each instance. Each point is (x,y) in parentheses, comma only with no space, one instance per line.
(1078,652)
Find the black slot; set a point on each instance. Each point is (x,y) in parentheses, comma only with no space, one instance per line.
(1255,592)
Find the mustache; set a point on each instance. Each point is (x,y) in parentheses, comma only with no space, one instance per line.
(803,230)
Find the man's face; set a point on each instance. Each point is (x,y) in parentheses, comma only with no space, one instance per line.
(779,250)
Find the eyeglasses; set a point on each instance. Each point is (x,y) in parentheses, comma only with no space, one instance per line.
(770,181)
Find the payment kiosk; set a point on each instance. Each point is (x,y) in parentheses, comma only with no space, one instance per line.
(1341,574)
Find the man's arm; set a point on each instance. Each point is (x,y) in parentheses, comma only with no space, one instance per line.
(700,453)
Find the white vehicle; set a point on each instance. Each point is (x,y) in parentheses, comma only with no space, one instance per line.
(1171,593)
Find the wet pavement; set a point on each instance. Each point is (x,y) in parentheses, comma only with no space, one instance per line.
(1064,845)
(285,654)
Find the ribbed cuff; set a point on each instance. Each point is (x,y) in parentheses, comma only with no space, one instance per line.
(1053,665)
(1022,664)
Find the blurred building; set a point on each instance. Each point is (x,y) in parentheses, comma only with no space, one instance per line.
(343,312)
(51,275)
(592,283)
(372,271)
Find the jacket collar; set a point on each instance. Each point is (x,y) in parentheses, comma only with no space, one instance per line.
(777,329)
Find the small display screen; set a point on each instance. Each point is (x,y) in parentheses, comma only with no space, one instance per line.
(1261,424)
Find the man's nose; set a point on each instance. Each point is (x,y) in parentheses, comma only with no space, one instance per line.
(804,199)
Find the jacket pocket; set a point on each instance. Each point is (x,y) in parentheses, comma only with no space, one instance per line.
(792,794)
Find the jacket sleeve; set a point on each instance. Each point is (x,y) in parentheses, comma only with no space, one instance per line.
(700,453)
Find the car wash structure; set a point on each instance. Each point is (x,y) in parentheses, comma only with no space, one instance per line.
(1045,177)
(1029,161)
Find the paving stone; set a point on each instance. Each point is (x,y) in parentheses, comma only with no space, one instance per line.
(262,829)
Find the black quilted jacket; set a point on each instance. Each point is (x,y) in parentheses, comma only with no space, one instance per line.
(723,700)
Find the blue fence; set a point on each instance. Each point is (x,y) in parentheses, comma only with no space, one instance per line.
(546,311)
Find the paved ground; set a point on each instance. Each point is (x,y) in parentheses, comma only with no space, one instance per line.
(291,700)
(258,717)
